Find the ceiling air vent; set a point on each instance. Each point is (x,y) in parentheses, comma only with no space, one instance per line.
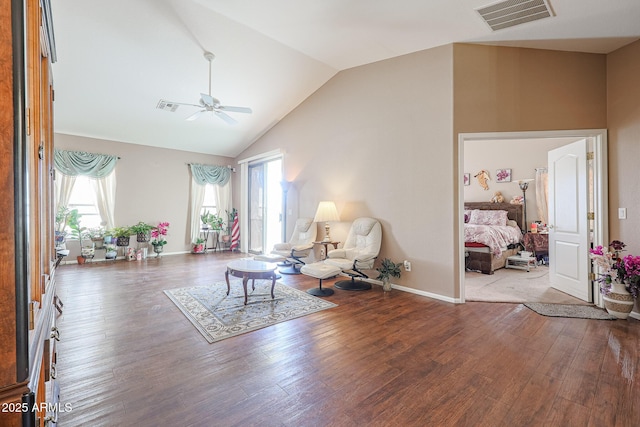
(514,12)
(167,106)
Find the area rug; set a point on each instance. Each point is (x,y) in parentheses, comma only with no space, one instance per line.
(218,316)
(515,286)
(565,310)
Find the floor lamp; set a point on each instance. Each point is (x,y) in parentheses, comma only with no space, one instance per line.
(524,185)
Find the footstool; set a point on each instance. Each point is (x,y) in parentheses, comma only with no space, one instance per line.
(285,266)
(320,271)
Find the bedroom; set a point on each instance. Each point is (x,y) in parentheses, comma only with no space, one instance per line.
(516,160)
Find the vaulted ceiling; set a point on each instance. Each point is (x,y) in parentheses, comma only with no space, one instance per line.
(117,59)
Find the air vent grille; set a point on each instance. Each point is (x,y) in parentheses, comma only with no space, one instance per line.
(514,12)
(167,106)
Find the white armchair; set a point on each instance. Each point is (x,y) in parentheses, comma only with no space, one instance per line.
(358,253)
(299,245)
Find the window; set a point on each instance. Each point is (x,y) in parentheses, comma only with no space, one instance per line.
(209,203)
(83,198)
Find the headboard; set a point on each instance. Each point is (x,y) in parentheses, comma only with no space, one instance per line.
(514,212)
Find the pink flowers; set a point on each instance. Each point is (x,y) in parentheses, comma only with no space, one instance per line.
(158,234)
(613,268)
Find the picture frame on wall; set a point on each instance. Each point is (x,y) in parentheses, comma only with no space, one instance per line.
(503,175)
(467,179)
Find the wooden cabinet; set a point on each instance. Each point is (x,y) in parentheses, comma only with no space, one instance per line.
(27,257)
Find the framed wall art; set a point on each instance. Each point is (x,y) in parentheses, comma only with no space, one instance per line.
(503,175)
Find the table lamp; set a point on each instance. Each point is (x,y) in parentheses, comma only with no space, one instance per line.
(326,212)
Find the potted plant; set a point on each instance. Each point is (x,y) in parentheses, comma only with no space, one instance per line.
(387,270)
(205,218)
(142,230)
(198,246)
(158,234)
(66,218)
(122,235)
(96,235)
(619,278)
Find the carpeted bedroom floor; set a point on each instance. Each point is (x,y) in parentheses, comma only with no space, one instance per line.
(517,286)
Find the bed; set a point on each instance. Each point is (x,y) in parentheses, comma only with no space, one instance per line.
(488,244)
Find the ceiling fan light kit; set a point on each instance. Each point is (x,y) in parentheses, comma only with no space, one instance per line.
(207,103)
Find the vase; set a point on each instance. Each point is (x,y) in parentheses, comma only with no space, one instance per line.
(618,302)
(142,237)
(386,285)
(158,250)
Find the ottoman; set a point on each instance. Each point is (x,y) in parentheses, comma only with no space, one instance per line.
(320,271)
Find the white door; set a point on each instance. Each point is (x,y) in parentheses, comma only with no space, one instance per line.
(568,223)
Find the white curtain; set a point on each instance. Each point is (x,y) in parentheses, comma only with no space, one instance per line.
(196,199)
(542,193)
(63,186)
(105,190)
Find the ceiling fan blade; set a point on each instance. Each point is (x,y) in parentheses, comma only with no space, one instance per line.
(189,105)
(246,110)
(195,115)
(227,118)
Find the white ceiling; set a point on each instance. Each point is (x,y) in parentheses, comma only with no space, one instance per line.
(116,59)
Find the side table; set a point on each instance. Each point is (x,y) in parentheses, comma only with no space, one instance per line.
(326,246)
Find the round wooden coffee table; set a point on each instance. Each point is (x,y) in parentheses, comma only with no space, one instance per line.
(250,269)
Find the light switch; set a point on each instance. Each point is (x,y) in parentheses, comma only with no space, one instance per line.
(622,213)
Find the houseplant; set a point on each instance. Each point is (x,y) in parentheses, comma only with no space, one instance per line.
(387,270)
(198,246)
(142,230)
(122,235)
(158,234)
(96,235)
(619,278)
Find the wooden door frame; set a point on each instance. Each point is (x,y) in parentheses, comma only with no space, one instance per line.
(597,141)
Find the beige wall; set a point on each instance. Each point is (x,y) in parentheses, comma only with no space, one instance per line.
(376,140)
(623,107)
(152,184)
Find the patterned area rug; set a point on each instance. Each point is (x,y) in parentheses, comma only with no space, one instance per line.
(218,316)
(565,310)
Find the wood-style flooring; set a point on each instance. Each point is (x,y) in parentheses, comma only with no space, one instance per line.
(128,357)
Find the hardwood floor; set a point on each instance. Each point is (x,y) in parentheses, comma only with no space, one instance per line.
(128,357)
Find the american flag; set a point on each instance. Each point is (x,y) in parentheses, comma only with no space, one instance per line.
(235,234)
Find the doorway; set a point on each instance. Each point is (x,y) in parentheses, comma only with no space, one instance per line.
(265,205)
(597,178)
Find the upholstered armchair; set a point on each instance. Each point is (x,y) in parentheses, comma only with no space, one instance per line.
(299,246)
(358,253)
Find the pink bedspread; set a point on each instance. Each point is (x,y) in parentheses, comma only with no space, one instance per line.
(496,237)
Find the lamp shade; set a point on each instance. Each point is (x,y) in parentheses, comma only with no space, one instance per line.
(326,212)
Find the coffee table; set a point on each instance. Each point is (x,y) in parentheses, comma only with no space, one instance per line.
(250,269)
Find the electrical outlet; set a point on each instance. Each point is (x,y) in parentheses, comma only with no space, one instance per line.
(407,265)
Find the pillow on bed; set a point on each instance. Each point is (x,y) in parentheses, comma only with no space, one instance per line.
(512,223)
(480,217)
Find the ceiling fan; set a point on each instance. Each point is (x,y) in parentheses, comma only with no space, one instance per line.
(207,103)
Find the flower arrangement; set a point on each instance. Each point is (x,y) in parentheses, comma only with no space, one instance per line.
(158,233)
(617,269)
